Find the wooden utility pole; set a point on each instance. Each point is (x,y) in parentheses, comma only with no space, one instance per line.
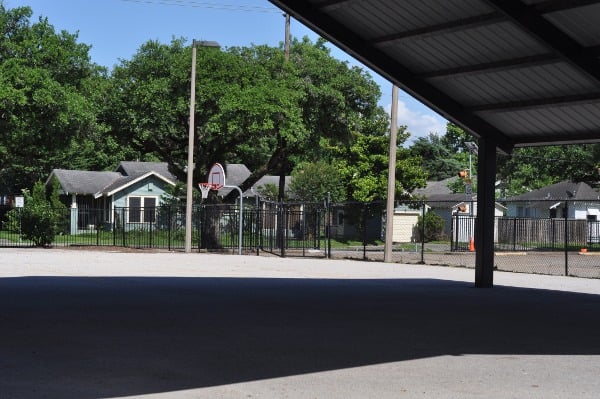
(282,143)
(391,188)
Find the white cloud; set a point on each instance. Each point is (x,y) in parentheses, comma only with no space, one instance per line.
(419,123)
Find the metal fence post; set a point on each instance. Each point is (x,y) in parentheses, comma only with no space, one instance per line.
(566,239)
(423,233)
(257,239)
(123,225)
(328,225)
(514,237)
(364,230)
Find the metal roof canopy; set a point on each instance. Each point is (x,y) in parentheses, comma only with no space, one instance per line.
(510,72)
(517,72)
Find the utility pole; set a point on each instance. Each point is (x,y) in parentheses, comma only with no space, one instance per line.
(287,37)
(391,188)
(282,143)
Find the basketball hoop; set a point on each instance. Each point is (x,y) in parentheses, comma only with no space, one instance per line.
(206,187)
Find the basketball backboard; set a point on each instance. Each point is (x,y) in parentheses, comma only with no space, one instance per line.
(216,176)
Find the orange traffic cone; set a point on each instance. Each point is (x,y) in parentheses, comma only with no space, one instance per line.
(471,244)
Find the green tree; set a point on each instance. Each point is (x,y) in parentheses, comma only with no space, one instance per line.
(313,182)
(531,168)
(251,106)
(268,191)
(443,156)
(47,111)
(364,165)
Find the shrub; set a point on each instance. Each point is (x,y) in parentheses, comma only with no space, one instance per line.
(39,219)
(434,227)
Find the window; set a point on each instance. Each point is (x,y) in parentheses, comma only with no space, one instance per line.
(142,209)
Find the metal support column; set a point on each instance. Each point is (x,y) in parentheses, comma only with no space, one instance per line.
(485,223)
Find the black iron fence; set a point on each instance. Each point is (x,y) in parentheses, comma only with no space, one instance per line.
(424,232)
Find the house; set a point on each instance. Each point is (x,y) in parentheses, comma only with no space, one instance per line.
(541,212)
(458,210)
(93,196)
(583,202)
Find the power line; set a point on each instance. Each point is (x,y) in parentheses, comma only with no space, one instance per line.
(214,6)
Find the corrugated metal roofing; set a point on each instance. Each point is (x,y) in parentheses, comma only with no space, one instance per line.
(516,72)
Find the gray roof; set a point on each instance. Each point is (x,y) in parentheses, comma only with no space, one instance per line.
(517,72)
(83,182)
(237,173)
(134,168)
(448,200)
(435,188)
(560,192)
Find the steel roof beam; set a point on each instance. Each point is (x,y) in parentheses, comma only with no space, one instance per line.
(582,138)
(538,103)
(503,65)
(446,27)
(549,35)
(496,66)
(493,17)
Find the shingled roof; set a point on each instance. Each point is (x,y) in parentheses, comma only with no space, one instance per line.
(560,192)
(134,168)
(83,182)
(97,183)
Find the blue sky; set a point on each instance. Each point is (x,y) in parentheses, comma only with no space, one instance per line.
(117,28)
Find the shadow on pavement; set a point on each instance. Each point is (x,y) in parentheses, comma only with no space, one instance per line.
(104,337)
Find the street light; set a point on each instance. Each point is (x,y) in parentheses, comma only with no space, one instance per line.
(472,147)
(190,162)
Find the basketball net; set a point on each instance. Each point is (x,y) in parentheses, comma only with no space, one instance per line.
(205,189)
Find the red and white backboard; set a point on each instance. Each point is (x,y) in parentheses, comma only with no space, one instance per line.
(216,176)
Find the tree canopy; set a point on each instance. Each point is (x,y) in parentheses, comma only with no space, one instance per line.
(60,110)
(49,101)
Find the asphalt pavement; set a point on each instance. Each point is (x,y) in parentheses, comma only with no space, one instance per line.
(99,324)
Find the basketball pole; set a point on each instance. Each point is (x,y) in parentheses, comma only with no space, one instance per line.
(391,188)
(190,162)
(189,198)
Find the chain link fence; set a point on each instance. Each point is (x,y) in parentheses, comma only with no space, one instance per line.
(565,242)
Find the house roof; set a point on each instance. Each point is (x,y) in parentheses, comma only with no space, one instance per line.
(83,182)
(560,192)
(134,168)
(435,188)
(449,200)
(95,183)
(127,181)
(516,72)
(236,174)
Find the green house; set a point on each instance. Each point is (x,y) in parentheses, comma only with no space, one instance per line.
(131,193)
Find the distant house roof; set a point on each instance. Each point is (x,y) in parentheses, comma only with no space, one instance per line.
(134,168)
(449,200)
(564,190)
(439,195)
(83,182)
(435,188)
(127,181)
(237,173)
